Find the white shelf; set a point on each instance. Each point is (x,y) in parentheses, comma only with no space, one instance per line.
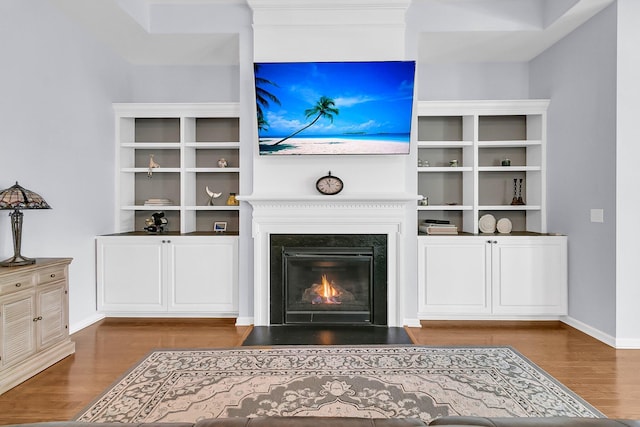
(213,145)
(213,170)
(150,208)
(212,208)
(154,170)
(152,145)
(444,144)
(445,208)
(446,169)
(509,207)
(516,143)
(509,168)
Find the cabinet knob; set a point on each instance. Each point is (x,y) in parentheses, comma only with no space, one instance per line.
(53,275)
(18,284)
(35,319)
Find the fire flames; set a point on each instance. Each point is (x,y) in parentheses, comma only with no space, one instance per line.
(326,293)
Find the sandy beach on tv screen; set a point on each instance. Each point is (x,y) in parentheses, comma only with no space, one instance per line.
(332,146)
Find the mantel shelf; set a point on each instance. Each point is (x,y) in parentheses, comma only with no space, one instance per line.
(346,198)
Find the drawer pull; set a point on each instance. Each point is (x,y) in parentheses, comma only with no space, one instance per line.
(35,319)
(53,275)
(18,284)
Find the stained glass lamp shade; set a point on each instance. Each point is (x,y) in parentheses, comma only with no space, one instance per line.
(17,198)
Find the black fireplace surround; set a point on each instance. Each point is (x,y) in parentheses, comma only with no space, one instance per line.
(328,279)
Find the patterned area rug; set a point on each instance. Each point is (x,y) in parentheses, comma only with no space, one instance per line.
(361,381)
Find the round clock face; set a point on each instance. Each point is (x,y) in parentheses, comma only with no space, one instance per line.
(329,184)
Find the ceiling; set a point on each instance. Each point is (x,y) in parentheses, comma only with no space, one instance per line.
(206,32)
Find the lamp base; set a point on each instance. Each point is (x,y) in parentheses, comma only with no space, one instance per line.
(17,260)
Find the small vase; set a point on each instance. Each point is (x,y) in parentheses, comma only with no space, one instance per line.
(232,201)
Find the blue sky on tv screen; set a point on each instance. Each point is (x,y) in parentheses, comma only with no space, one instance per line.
(371,97)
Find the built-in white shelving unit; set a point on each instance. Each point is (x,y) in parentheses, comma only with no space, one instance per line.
(187,141)
(499,151)
(190,270)
(479,136)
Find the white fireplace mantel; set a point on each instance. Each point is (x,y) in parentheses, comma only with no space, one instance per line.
(338,214)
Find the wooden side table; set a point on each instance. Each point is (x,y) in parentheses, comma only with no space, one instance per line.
(34,319)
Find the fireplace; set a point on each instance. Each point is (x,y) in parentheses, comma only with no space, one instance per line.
(382,215)
(328,279)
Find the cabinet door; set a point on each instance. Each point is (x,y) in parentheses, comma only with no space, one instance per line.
(52,317)
(17,317)
(530,275)
(203,274)
(453,276)
(130,274)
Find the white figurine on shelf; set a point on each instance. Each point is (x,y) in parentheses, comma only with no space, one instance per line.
(152,165)
(212,196)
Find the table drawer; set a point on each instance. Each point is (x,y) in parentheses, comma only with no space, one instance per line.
(52,274)
(17,283)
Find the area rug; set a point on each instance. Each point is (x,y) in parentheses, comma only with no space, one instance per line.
(359,381)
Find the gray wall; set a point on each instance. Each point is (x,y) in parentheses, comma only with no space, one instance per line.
(578,74)
(185,83)
(56,137)
(498,80)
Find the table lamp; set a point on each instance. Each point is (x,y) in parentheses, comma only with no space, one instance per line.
(17,198)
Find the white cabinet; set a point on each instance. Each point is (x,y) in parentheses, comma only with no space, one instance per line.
(167,275)
(454,275)
(34,331)
(130,273)
(492,277)
(203,274)
(529,275)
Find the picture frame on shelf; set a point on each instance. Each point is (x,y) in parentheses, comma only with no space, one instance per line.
(220,226)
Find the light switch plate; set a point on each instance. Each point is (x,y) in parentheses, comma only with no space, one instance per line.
(597,215)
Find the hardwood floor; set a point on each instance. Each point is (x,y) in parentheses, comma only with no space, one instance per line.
(608,379)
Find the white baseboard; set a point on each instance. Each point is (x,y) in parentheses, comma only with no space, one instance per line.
(244,321)
(412,323)
(85,322)
(628,343)
(617,343)
(589,330)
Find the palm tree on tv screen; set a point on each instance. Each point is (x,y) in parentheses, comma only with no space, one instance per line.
(263,96)
(324,108)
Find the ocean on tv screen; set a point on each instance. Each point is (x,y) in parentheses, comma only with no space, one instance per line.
(334,107)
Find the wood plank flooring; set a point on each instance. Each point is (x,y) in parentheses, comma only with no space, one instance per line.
(608,379)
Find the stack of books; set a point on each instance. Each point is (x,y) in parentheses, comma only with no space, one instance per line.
(158,202)
(435,226)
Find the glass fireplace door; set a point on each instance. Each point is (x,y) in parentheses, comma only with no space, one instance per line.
(327,285)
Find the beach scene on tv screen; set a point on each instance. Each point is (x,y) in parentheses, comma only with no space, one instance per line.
(334,107)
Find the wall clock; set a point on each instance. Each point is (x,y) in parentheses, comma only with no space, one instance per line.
(329,184)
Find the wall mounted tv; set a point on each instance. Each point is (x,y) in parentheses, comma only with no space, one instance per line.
(334,107)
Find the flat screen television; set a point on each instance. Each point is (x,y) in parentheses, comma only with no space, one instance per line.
(334,107)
